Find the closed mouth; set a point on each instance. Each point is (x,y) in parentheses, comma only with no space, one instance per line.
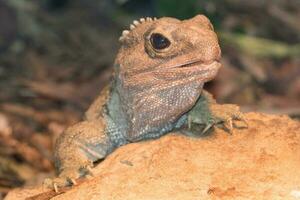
(197,63)
(198,66)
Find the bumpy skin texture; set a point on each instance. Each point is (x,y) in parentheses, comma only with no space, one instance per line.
(152,92)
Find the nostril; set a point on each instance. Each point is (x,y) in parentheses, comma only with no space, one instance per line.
(202,21)
(211,27)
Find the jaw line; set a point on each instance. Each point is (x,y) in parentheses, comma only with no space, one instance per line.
(195,63)
(204,71)
(187,64)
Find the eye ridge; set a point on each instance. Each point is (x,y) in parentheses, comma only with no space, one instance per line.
(159,42)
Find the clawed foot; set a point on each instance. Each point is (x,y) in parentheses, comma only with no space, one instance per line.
(227,116)
(68,177)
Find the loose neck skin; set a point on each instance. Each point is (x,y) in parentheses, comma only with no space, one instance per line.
(148,113)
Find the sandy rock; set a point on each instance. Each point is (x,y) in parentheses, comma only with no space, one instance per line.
(261,162)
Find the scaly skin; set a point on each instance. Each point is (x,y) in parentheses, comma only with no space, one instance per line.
(159,73)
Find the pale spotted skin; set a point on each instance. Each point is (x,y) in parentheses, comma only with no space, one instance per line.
(160,71)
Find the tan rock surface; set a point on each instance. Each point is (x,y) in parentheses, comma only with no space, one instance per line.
(261,162)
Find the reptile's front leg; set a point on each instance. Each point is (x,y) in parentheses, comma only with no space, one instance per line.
(76,150)
(208,113)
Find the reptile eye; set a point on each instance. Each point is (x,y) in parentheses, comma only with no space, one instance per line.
(158,41)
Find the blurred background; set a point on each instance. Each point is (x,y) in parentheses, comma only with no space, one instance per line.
(56,56)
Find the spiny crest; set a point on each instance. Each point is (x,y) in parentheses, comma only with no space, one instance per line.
(134,24)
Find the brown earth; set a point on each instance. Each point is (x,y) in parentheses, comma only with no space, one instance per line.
(261,162)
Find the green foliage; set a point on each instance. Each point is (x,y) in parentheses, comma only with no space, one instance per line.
(187,9)
(179,9)
(259,47)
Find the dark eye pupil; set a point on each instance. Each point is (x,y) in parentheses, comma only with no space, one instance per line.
(158,41)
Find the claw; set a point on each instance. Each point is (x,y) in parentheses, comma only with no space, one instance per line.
(90,170)
(241,118)
(208,126)
(73,181)
(189,123)
(55,187)
(229,125)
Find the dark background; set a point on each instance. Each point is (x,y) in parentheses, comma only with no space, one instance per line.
(56,55)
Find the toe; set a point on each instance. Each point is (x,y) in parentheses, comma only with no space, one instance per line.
(55,187)
(228,124)
(73,181)
(55,183)
(241,118)
(207,127)
(90,170)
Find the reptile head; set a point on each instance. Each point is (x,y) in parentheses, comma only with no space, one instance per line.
(162,65)
(168,48)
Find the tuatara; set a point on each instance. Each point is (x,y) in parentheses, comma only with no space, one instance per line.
(159,74)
